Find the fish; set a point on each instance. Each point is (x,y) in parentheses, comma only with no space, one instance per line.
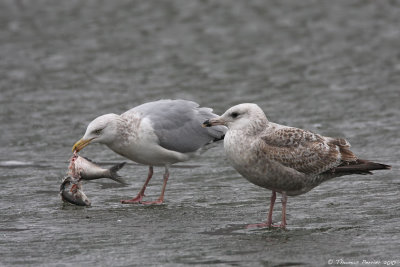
(71,191)
(85,169)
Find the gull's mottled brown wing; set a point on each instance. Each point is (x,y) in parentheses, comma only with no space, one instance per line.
(304,151)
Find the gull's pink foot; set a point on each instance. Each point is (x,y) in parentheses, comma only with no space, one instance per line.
(135,200)
(282,226)
(265,225)
(158,201)
(258,225)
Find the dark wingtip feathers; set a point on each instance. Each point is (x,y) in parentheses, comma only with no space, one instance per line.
(360,166)
(373,165)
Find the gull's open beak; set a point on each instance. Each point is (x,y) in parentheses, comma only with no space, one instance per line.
(213,122)
(81,144)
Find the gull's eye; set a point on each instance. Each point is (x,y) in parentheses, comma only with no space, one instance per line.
(234,114)
(98,131)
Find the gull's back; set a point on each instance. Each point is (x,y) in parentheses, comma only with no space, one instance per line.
(177,124)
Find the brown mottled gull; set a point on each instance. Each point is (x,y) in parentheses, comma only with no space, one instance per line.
(157,133)
(284,159)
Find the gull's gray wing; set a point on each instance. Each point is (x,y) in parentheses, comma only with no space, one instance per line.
(178,124)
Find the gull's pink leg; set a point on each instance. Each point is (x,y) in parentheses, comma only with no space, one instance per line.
(160,200)
(271,207)
(140,196)
(284,201)
(269,219)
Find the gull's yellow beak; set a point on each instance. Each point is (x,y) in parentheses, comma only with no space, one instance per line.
(81,144)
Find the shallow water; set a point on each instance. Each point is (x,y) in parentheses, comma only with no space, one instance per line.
(331,67)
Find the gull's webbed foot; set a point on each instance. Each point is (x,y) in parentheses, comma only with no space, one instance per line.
(135,200)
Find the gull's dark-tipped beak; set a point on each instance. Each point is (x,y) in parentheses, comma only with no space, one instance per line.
(213,122)
(207,123)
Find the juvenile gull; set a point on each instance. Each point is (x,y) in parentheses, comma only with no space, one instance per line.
(157,133)
(284,159)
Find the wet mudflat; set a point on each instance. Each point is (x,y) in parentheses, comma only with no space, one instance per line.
(331,67)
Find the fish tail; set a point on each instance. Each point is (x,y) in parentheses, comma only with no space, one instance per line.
(114,175)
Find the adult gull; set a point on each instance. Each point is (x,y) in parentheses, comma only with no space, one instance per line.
(284,159)
(157,133)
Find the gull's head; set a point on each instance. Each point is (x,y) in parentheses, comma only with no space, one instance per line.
(103,130)
(239,117)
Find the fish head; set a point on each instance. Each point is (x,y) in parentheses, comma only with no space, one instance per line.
(85,199)
(70,191)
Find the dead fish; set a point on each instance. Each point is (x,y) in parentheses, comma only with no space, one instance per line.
(85,169)
(71,191)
